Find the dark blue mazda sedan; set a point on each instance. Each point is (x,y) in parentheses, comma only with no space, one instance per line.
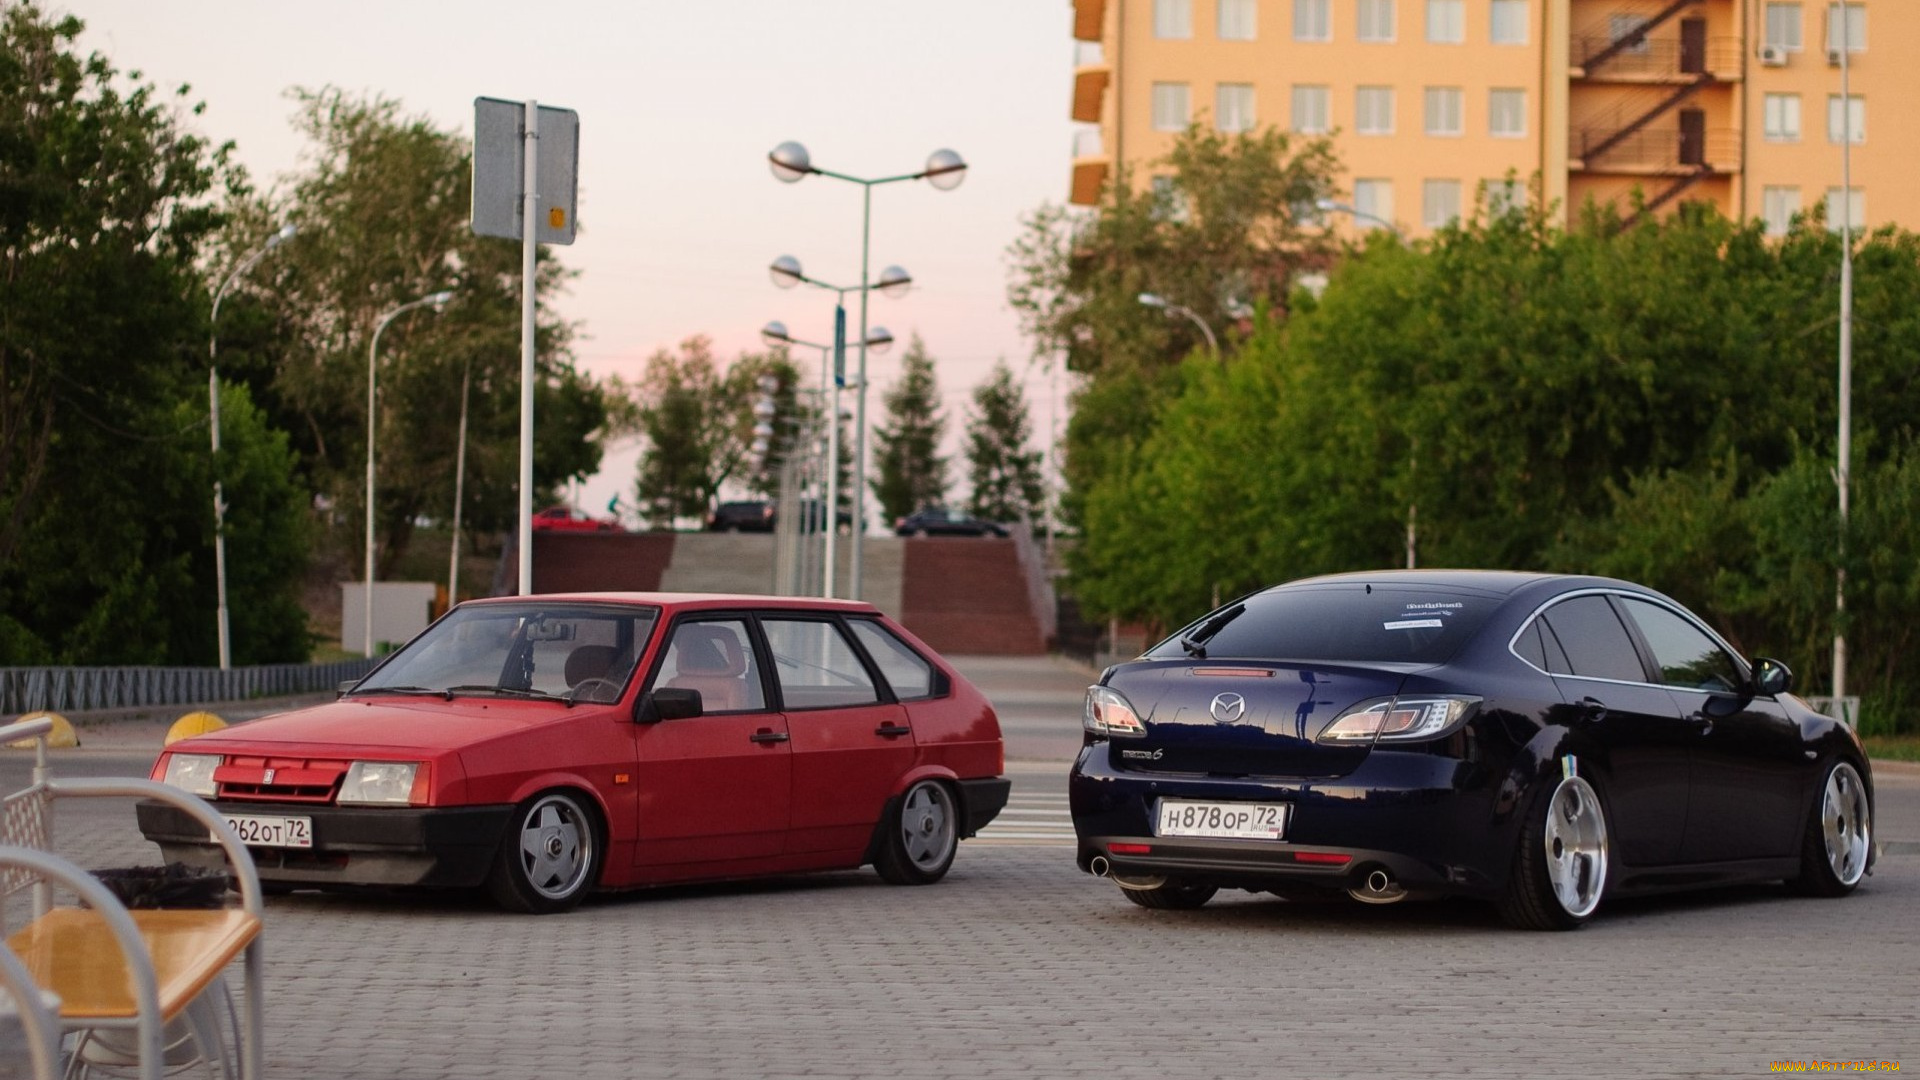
(1540,741)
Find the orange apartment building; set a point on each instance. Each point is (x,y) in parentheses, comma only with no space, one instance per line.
(1735,101)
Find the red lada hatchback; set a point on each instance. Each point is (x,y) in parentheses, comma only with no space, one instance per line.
(545,746)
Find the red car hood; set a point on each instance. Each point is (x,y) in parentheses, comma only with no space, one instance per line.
(379,725)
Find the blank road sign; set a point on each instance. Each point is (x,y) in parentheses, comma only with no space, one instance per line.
(499,166)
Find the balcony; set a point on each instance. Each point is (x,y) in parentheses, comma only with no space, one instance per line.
(1656,151)
(1089,18)
(1656,60)
(1090,78)
(1090,167)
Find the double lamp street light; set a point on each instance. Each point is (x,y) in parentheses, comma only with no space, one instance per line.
(894,282)
(790,164)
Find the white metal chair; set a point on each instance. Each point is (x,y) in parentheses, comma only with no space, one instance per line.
(30,1025)
(118,973)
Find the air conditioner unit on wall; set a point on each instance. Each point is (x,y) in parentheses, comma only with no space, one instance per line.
(1833,57)
(1773,56)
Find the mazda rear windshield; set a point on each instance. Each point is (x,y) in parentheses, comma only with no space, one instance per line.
(1336,622)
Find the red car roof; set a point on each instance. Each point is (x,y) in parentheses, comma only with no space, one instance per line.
(690,601)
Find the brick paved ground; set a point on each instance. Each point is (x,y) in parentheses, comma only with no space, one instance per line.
(1018,965)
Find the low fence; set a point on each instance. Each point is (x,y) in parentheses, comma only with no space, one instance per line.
(1844,709)
(61,689)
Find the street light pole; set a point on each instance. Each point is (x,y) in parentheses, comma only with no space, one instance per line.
(1842,473)
(1413,454)
(439,301)
(775,333)
(1151,300)
(944,171)
(281,236)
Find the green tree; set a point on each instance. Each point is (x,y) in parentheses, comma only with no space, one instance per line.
(1654,403)
(1005,474)
(1225,233)
(107,203)
(698,423)
(382,202)
(909,471)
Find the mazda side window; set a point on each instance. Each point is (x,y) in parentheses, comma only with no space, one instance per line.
(1686,655)
(1596,643)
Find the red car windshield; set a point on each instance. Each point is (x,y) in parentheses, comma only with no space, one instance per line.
(575,652)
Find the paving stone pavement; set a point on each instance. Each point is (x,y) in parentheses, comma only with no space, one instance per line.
(1017,965)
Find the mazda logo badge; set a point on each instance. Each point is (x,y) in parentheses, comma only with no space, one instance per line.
(1228,708)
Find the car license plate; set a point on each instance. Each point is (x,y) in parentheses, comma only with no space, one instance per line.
(260,831)
(1232,820)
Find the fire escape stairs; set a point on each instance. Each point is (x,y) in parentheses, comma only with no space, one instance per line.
(1660,109)
(1671,193)
(1638,35)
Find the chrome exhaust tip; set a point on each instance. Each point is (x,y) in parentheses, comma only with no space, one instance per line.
(1379,888)
(1100,867)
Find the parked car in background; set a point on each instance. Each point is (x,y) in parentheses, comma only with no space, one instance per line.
(567,519)
(746,515)
(544,747)
(1540,741)
(940,521)
(813,516)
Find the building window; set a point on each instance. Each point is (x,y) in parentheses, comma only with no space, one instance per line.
(1781,118)
(1312,110)
(1856,29)
(1173,19)
(1236,20)
(1856,120)
(1507,114)
(1312,21)
(1373,110)
(1510,22)
(1855,209)
(1376,20)
(1620,26)
(1373,199)
(1777,207)
(1447,21)
(1233,107)
(1505,197)
(1443,111)
(1783,26)
(1439,203)
(1171,109)
(1169,202)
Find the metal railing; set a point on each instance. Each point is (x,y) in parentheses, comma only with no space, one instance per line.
(1661,147)
(1844,709)
(1658,57)
(27,689)
(1039,583)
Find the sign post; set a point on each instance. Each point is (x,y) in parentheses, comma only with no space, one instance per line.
(512,181)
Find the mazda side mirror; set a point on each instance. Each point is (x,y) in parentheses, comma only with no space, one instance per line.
(1771,677)
(669,703)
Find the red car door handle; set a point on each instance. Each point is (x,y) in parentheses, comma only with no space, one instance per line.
(768,735)
(891,731)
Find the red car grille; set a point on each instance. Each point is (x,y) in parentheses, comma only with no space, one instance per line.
(294,780)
